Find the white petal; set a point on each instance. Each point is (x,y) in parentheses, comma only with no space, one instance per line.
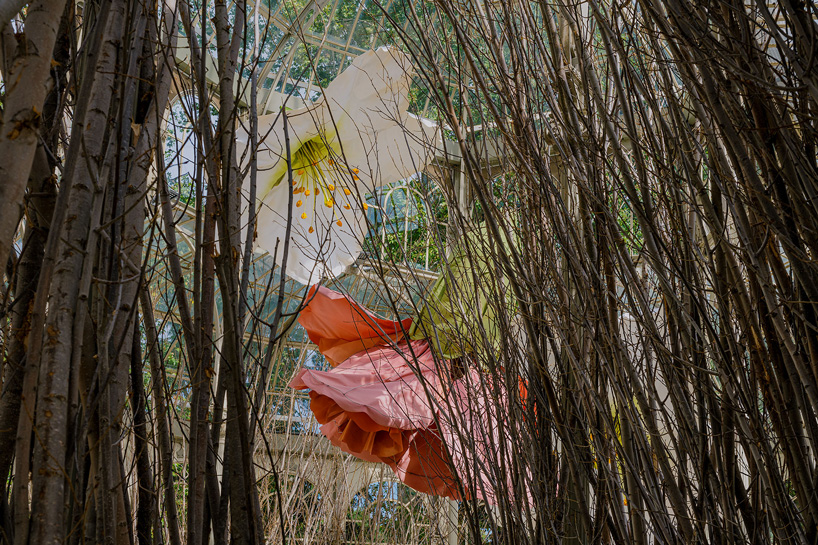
(396,152)
(375,79)
(368,102)
(328,251)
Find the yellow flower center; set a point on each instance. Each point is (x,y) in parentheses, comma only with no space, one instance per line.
(316,167)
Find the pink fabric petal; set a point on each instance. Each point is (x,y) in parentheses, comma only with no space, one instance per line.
(381,383)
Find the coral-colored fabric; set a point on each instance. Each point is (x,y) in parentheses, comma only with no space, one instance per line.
(381,403)
(340,327)
(391,402)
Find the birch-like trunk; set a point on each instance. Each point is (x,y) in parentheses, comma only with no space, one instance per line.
(27,85)
(69,287)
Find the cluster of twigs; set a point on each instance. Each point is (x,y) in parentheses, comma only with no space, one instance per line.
(82,135)
(651,207)
(662,204)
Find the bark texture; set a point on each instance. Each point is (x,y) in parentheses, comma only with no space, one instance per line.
(27,85)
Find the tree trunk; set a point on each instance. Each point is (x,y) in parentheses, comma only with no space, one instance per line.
(26,88)
(71,280)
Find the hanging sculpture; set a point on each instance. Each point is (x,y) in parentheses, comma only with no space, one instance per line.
(356,138)
(411,393)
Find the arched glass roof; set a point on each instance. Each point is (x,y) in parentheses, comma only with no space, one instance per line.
(304,44)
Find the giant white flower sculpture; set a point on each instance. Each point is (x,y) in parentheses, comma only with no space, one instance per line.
(357,137)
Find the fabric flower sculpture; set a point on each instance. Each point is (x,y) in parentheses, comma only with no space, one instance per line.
(408,393)
(357,137)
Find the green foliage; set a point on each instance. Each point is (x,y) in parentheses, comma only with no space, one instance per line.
(629,227)
(488,534)
(504,193)
(179,474)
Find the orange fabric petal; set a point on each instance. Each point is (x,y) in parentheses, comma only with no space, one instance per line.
(357,430)
(341,327)
(416,456)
